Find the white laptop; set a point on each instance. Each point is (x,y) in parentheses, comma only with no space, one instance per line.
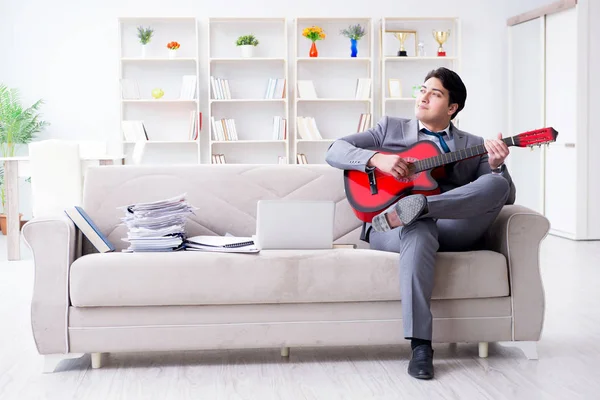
(294,224)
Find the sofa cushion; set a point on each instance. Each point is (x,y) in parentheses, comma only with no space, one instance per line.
(274,276)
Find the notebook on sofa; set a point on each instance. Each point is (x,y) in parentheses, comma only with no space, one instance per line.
(225,244)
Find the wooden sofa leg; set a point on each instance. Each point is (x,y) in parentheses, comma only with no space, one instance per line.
(51,361)
(285,352)
(96,360)
(483,349)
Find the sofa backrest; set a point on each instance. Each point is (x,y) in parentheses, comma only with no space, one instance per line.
(225,195)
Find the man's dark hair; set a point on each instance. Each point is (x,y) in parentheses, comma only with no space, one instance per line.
(453,84)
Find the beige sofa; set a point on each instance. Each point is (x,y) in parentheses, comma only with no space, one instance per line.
(86,302)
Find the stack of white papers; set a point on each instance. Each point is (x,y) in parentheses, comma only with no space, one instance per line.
(157,226)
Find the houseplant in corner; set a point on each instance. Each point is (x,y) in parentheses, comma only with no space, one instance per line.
(247,43)
(354,33)
(18,125)
(145,35)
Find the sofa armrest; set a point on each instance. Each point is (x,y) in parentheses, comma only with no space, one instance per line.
(53,243)
(517,233)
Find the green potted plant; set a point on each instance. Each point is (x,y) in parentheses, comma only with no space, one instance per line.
(18,125)
(247,43)
(145,35)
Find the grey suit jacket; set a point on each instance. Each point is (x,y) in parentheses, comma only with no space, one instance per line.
(355,150)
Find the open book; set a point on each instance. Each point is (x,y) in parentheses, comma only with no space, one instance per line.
(227,244)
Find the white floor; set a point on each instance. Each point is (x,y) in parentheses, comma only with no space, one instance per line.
(568,368)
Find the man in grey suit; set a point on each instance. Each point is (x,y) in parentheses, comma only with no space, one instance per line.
(472,194)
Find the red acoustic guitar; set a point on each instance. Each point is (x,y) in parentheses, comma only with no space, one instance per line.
(371,193)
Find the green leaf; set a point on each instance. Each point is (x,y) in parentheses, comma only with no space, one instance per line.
(145,34)
(247,40)
(353,32)
(18,125)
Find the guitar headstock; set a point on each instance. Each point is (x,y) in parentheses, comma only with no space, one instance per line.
(536,137)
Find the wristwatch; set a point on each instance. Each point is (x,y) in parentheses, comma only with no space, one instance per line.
(498,170)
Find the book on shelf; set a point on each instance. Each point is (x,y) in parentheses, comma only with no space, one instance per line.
(138,152)
(307,128)
(279,128)
(188,87)
(363,88)
(220,88)
(282,160)
(84,223)
(218,159)
(195,124)
(223,129)
(134,131)
(301,158)
(306,90)
(364,122)
(275,89)
(129,89)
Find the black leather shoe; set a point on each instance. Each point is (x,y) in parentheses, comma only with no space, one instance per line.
(421,363)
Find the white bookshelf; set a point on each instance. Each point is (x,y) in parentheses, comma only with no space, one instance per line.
(245,102)
(334,74)
(169,119)
(412,69)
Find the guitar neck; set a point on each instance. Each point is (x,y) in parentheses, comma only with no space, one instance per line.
(459,155)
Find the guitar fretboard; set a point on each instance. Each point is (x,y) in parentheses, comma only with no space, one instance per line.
(447,158)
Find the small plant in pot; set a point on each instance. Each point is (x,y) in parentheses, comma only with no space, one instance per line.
(173,47)
(18,125)
(144,35)
(247,43)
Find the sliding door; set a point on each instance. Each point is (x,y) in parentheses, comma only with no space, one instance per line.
(561,112)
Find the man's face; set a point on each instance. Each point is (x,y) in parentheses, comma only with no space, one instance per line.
(432,102)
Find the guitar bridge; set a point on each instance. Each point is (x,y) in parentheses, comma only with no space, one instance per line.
(372,182)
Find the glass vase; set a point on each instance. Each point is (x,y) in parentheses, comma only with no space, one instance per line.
(353,47)
(313,50)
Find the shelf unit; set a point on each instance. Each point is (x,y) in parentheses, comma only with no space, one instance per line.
(169,119)
(334,74)
(412,68)
(248,80)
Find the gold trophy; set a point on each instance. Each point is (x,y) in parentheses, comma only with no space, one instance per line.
(402,36)
(441,37)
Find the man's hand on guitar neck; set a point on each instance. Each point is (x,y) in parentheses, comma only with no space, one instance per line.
(497,151)
(391,164)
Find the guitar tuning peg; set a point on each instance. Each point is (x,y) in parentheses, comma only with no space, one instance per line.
(531,148)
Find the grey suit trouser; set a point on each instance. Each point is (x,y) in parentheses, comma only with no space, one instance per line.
(455,221)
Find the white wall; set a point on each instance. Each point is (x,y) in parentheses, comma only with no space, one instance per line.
(66,51)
